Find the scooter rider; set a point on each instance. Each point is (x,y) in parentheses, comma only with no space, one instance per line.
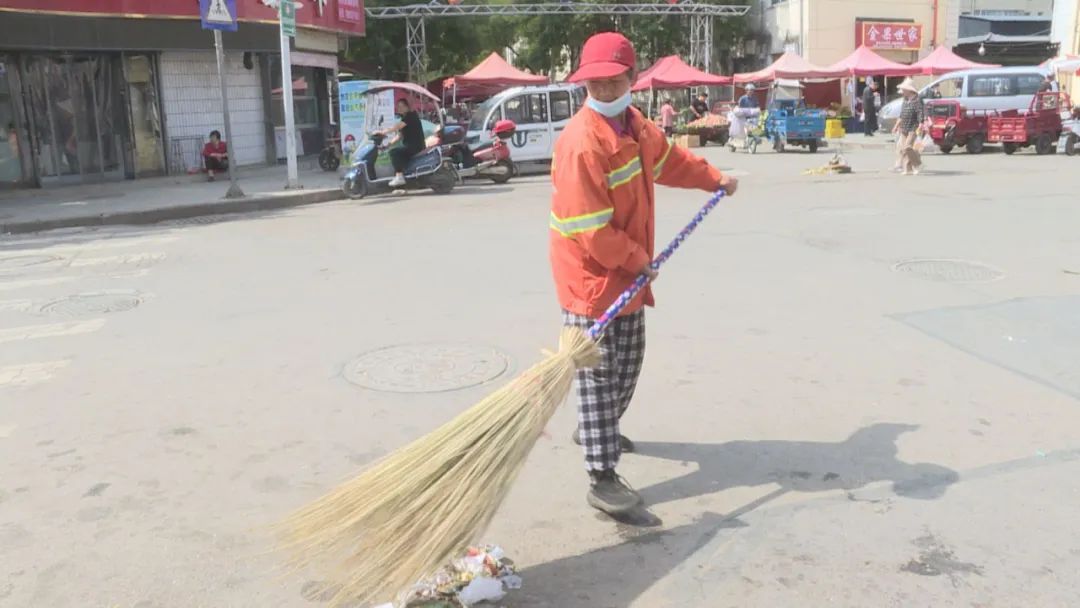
(411,132)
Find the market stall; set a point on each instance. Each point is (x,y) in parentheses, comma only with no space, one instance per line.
(672,72)
(489,77)
(789,66)
(943,61)
(863,62)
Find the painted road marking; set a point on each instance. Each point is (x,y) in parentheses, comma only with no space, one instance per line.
(12,285)
(16,305)
(135,259)
(50,330)
(30,373)
(59,247)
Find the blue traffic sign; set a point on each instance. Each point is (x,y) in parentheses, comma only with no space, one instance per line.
(218,15)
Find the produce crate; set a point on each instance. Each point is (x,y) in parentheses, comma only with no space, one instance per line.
(688,141)
(834,128)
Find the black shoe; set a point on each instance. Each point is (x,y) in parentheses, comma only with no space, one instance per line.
(611,494)
(627,445)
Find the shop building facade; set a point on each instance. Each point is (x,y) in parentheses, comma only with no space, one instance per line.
(91,90)
(826,31)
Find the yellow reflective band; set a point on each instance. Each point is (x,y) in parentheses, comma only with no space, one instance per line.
(659,168)
(624,174)
(581,223)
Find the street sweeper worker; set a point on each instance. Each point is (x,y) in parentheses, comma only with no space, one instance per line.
(602,230)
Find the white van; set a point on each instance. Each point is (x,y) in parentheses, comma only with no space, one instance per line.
(995,89)
(540,112)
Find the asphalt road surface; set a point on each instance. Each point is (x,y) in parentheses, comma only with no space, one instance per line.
(859,391)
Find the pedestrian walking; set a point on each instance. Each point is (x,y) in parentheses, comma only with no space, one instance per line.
(748,100)
(909,127)
(869,103)
(602,228)
(667,117)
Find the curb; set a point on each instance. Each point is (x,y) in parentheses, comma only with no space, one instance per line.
(248,204)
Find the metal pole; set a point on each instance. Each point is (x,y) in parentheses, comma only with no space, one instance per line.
(293,182)
(234,188)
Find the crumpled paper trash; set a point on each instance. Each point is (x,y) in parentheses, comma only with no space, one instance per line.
(483,574)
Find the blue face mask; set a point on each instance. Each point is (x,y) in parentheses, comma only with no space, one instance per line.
(611,109)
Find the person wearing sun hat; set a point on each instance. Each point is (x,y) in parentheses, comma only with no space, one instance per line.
(909,127)
(602,230)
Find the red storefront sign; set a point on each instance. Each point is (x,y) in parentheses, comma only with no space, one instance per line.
(345,16)
(350,11)
(886,35)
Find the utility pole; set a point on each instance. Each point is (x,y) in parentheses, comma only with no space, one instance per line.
(287,21)
(234,188)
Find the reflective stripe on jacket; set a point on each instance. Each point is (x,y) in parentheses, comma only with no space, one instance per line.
(602,216)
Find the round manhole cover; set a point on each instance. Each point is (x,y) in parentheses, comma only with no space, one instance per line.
(426,368)
(951,271)
(92,304)
(23,261)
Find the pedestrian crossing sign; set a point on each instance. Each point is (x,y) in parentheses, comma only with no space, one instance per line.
(218,14)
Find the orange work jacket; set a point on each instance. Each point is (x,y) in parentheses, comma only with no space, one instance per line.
(603,219)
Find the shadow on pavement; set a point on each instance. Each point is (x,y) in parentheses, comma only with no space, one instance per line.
(616,576)
(867,456)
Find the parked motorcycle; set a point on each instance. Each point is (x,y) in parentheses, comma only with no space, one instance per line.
(428,169)
(486,160)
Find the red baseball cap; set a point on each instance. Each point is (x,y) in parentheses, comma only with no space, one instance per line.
(604,56)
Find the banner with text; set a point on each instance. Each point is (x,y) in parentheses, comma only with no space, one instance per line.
(884,35)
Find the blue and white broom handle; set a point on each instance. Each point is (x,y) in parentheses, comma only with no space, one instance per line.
(613,311)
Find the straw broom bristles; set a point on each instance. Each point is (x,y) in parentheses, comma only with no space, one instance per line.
(425,503)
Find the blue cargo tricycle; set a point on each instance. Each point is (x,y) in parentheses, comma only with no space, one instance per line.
(789,122)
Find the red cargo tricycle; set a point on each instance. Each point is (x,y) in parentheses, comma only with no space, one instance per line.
(952,125)
(1040,126)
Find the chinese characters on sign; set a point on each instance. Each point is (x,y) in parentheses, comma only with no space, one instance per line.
(885,35)
(350,11)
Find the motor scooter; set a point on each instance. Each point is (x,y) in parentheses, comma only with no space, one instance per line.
(372,171)
(487,160)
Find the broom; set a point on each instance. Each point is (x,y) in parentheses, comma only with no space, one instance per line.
(425,503)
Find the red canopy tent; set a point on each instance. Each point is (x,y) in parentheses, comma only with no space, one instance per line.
(489,77)
(1063,63)
(943,61)
(671,72)
(792,66)
(864,62)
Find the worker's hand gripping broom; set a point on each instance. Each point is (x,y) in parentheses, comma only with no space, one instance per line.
(425,503)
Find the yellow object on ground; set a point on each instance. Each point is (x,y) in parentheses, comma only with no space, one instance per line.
(834,128)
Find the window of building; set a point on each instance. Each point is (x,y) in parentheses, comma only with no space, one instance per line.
(305,99)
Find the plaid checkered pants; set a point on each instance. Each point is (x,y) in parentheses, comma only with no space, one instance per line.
(605,392)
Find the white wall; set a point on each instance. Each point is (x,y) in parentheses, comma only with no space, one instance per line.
(1034,7)
(192,102)
(784,22)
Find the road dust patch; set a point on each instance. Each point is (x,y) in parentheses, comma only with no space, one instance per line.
(937,559)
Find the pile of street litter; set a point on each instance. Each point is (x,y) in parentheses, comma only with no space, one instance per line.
(836,165)
(483,574)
